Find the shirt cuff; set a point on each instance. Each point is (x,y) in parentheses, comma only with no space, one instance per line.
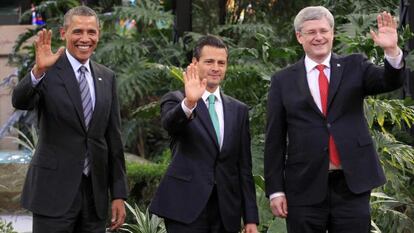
(34,80)
(187,110)
(395,62)
(277,194)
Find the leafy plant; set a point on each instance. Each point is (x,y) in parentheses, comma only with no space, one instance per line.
(6,227)
(144,222)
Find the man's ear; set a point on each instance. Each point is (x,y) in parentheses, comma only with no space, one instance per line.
(62,33)
(299,37)
(194,60)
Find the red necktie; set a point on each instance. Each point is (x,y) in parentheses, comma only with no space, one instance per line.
(323,90)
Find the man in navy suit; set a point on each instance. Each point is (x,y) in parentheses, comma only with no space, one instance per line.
(79,156)
(320,161)
(208,186)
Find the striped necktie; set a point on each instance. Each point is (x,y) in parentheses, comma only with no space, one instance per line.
(85,96)
(87,109)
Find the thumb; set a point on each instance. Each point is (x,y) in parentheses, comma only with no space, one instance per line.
(60,51)
(204,83)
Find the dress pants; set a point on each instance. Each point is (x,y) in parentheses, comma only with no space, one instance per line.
(340,212)
(81,217)
(209,220)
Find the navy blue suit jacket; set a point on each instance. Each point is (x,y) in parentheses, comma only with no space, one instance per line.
(296,147)
(198,164)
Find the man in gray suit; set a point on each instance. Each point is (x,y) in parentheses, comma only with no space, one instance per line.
(79,157)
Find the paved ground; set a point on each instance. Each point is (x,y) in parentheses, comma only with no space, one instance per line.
(21,223)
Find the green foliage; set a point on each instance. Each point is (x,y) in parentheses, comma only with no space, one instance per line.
(6,227)
(143,179)
(144,222)
(148,64)
(28,142)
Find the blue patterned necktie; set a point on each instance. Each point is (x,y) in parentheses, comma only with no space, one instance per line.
(213,115)
(87,108)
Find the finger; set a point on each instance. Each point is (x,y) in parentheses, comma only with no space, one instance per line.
(284,208)
(373,35)
(273,207)
(40,37)
(190,72)
(204,83)
(196,76)
(187,74)
(44,32)
(49,37)
(185,77)
(36,43)
(394,23)
(114,219)
(60,51)
(279,210)
(379,21)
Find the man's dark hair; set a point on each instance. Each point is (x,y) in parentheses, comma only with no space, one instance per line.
(208,40)
(79,11)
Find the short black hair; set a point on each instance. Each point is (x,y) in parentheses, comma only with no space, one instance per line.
(208,40)
(79,11)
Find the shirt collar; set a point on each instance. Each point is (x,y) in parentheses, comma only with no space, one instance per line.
(75,63)
(216,93)
(310,64)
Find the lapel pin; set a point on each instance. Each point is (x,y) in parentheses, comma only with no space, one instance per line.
(100,79)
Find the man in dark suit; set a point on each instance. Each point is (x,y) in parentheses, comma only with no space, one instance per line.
(208,186)
(320,161)
(79,156)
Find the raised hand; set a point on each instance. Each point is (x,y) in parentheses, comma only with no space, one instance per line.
(194,87)
(45,58)
(386,37)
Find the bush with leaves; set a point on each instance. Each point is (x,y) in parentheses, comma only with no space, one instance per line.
(143,222)
(6,227)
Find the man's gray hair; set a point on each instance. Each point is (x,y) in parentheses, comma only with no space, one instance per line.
(312,13)
(79,11)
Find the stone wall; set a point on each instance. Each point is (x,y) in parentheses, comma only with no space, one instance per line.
(8,36)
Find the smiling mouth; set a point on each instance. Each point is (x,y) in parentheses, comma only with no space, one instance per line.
(83,47)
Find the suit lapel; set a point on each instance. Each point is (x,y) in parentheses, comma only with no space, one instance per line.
(204,116)
(335,78)
(71,84)
(299,72)
(97,77)
(229,117)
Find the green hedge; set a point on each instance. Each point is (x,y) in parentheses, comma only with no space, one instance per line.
(143,180)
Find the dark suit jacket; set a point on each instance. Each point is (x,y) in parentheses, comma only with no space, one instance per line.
(55,172)
(198,164)
(297,128)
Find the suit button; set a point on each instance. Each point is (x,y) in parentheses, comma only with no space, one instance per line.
(328,125)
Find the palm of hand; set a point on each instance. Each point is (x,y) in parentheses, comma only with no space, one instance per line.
(194,89)
(44,56)
(386,37)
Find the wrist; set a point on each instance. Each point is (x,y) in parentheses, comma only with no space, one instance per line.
(392,52)
(38,72)
(189,103)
